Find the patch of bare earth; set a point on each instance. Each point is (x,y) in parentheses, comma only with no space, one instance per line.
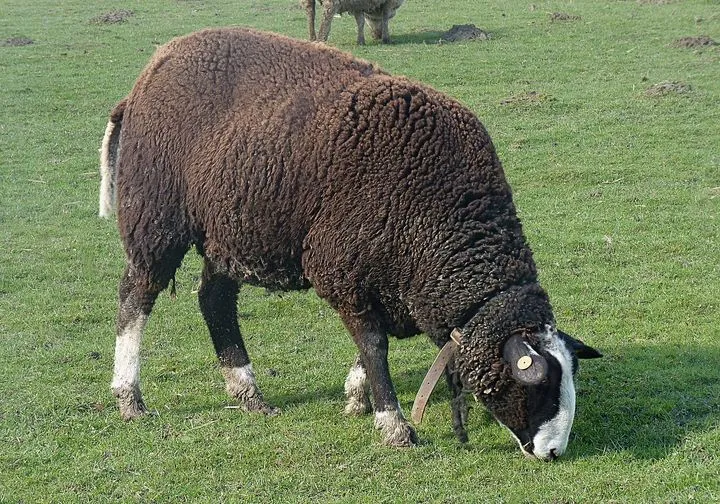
(527,98)
(113,17)
(17,42)
(564,16)
(668,88)
(694,42)
(464,32)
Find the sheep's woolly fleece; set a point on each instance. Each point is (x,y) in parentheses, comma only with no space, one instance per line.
(385,195)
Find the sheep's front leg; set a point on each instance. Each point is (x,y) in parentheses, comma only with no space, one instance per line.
(218,303)
(373,346)
(385,27)
(458,404)
(360,21)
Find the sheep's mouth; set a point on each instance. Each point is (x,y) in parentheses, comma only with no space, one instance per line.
(527,449)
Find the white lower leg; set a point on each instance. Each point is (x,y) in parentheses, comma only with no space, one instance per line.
(356,391)
(396,430)
(126,376)
(240,383)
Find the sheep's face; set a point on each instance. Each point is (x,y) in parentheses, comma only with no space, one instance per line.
(537,404)
(376,21)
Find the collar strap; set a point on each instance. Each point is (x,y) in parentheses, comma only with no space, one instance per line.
(447,352)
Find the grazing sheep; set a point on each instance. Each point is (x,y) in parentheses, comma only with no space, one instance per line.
(377,13)
(289,165)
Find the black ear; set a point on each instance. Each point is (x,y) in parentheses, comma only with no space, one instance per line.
(581,350)
(528,366)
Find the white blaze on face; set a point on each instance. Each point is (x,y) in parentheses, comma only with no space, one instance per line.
(552,436)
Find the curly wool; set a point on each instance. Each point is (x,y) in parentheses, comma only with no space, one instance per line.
(523,309)
(289,164)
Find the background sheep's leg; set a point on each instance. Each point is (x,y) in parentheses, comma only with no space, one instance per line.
(373,346)
(136,301)
(356,390)
(360,20)
(385,27)
(310,13)
(328,13)
(458,405)
(218,302)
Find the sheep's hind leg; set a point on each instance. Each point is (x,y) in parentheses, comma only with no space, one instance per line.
(356,390)
(310,13)
(218,302)
(360,21)
(137,297)
(373,346)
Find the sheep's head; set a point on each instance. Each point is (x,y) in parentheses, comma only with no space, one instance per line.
(524,375)
(376,19)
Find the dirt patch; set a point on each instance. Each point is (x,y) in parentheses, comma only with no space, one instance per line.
(17,42)
(113,17)
(694,42)
(668,88)
(527,98)
(564,16)
(464,32)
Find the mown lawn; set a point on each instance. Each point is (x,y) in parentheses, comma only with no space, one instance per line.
(617,180)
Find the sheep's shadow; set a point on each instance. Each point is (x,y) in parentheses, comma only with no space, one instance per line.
(422,37)
(324,394)
(434,37)
(647,400)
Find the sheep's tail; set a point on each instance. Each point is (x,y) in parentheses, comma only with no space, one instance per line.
(108,160)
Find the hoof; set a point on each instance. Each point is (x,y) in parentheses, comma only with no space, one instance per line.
(130,403)
(397,432)
(257,405)
(402,436)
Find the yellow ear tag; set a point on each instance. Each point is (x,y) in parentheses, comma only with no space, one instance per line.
(524,362)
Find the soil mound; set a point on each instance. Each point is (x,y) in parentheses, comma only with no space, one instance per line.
(112,17)
(464,32)
(668,88)
(17,42)
(694,42)
(564,16)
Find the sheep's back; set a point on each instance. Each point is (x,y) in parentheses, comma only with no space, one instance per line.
(288,161)
(223,121)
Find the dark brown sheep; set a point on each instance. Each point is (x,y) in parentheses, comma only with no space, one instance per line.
(289,165)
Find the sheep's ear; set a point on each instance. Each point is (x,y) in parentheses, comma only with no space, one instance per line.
(580,349)
(528,366)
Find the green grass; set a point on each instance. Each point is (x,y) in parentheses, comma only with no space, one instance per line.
(619,193)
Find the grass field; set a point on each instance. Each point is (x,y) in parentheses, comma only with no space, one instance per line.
(618,186)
